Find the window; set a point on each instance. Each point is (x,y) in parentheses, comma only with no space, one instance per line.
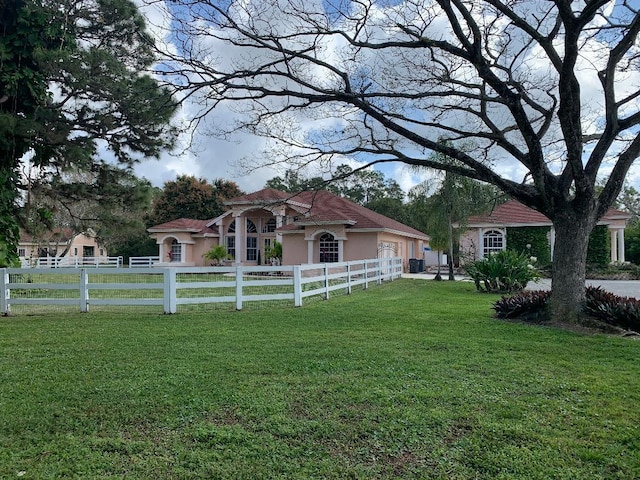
(328,249)
(493,241)
(175,254)
(232,227)
(269,226)
(251,227)
(22,252)
(252,249)
(231,246)
(267,244)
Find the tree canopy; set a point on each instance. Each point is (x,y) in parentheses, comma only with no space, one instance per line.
(547,91)
(191,197)
(72,88)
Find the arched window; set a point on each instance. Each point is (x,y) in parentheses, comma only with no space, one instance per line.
(251,227)
(269,226)
(328,249)
(232,227)
(493,241)
(175,253)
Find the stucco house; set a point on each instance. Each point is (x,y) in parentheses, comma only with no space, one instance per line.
(313,227)
(58,243)
(488,233)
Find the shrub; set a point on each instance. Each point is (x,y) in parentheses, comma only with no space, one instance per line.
(505,271)
(527,305)
(623,312)
(217,254)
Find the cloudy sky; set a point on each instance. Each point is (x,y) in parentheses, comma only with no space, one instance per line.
(208,156)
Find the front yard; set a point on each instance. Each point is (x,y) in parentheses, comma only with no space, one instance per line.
(413,379)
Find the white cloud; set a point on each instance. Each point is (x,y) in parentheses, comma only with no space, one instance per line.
(213,157)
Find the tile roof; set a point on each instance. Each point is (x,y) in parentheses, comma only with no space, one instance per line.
(264,196)
(326,207)
(58,235)
(318,207)
(513,212)
(185,224)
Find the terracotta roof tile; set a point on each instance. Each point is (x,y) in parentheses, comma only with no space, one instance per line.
(514,212)
(184,224)
(326,207)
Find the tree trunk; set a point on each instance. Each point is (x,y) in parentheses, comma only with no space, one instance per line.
(569,267)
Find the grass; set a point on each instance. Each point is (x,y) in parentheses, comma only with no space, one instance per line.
(410,380)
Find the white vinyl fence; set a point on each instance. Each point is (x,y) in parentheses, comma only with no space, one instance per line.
(75,262)
(171,287)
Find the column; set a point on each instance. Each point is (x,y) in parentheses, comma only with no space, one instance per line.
(240,226)
(621,258)
(310,251)
(341,250)
(278,225)
(552,240)
(480,243)
(614,246)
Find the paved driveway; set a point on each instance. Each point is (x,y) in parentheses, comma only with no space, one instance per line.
(625,288)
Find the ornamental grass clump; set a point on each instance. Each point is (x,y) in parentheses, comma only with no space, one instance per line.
(502,272)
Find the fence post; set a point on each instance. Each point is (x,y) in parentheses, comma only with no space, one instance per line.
(349,278)
(366,275)
(326,282)
(4,292)
(297,286)
(84,290)
(239,282)
(169,294)
(379,276)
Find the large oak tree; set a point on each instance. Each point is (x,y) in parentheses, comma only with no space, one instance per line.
(547,91)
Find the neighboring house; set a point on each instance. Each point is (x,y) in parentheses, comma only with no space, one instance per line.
(488,233)
(313,227)
(59,242)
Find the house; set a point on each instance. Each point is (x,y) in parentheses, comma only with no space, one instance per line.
(488,233)
(312,227)
(58,243)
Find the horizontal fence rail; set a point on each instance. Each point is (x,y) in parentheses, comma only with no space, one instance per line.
(171,287)
(75,262)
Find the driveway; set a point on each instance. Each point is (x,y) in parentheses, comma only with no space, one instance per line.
(625,288)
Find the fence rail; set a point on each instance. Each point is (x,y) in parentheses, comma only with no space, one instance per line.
(170,287)
(75,262)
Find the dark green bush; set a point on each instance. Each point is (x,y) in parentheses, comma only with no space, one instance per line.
(501,272)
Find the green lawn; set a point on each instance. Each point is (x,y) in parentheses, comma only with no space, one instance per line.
(413,379)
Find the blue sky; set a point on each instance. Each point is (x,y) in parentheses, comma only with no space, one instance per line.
(211,157)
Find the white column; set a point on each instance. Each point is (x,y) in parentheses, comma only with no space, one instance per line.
(310,251)
(278,225)
(240,226)
(614,246)
(480,243)
(552,240)
(621,245)
(341,250)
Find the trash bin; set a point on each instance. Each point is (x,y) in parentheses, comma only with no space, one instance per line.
(416,265)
